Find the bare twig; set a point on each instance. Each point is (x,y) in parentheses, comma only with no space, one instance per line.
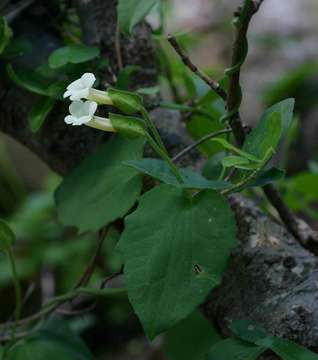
(199,142)
(214,85)
(91,266)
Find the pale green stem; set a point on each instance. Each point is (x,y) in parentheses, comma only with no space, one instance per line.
(154,130)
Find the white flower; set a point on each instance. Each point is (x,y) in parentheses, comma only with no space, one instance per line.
(80,89)
(81,112)
(83,89)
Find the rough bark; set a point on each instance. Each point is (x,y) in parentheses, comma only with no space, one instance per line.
(270,278)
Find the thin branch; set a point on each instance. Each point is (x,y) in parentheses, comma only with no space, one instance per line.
(302,232)
(214,85)
(199,142)
(92,264)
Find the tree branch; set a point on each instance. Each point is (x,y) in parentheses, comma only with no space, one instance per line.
(214,85)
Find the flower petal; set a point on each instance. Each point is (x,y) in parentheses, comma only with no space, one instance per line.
(88,80)
(76,108)
(79,94)
(84,119)
(69,119)
(91,107)
(76,85)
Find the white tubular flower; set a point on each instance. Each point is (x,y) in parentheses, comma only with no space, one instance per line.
(81,112)
(83,89)
(80,89)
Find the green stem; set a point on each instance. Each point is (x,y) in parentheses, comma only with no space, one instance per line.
(240,184)
(165,156)
(18,294)
(154,130)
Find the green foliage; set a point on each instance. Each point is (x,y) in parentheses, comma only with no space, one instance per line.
(5,34)
(125,101)
(128,126)
(7,237)
(270,130)
(73,54)
(101,189)
(160,170)
(173,255)
(54,340)
(190,339)
(285,349)
(301,193)
(39,113)
(131,12)
(234,349)
(35,83)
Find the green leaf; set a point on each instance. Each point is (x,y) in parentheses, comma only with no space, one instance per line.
(190,339)
(234,349)
(128,126)
(54,341)
(17,46)
(126,101)
(248,331)
(131,12)
(160,170)
(7,237)
(39,113)
(271,128)
(175,249)
(35,83)
(213,167)
(5,34)
(288,350)
(101,189)
(267,177)
(74,54)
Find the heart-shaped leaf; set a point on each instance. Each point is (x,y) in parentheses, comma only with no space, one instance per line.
(175,248)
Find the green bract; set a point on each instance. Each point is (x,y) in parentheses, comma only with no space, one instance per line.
(125,101)
(128,126)
(175,248)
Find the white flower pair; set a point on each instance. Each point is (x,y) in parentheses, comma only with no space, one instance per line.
(83,112)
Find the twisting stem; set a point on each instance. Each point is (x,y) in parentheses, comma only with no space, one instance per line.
(214,85)
(240,50)
(199,142)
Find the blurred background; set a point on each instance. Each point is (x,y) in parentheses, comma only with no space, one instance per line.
(282,62)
